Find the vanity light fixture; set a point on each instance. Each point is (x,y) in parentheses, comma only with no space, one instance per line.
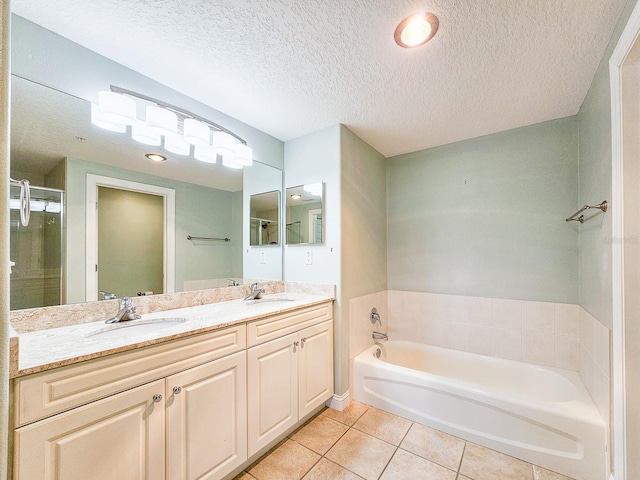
(172,127)
(176,143)
(416,30)
(156,157)
(296,196)
(205,153)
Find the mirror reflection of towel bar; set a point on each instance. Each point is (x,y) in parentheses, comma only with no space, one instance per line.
(189,237)
(602,206)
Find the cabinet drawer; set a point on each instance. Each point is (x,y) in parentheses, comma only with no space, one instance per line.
(44,394)
(276,326)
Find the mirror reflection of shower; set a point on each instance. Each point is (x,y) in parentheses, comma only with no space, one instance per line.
(36,249)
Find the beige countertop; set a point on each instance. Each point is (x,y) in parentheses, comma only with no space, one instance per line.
(55,347)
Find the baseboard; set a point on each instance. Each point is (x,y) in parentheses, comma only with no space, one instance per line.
(339,402)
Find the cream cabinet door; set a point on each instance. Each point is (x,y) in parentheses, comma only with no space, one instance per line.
(121,437)
(206,411)
(272,383)
(315,367)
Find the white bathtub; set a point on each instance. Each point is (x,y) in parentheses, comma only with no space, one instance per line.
(541,415)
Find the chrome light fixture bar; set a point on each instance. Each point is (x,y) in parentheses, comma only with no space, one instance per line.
(116,110)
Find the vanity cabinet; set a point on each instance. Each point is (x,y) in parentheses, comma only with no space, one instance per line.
(198,407)
(186,425)
(117,438)
(288,376)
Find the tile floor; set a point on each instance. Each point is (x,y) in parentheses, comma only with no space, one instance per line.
(363,442)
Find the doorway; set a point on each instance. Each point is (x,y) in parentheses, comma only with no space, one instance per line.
(130,242)
(130,238)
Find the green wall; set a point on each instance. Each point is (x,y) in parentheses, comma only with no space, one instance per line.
(363,228)
(485,217)
(594,126)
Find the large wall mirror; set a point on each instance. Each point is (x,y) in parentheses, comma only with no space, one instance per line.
(305,214)
(55,146)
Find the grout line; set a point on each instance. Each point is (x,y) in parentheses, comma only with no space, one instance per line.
(464,449)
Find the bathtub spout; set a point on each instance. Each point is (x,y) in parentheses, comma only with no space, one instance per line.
(379,336)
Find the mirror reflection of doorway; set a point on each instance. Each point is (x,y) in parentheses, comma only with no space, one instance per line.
(120,262)
(315,226)
(130,242)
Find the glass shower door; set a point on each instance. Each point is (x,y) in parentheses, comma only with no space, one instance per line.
(36,250)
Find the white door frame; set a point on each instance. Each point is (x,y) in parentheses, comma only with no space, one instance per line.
(312,224)
(169,244)
(616,62)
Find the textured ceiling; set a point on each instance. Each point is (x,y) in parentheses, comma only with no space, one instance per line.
(291,67)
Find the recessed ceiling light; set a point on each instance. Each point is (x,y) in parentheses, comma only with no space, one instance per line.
(416,30)
(156,157)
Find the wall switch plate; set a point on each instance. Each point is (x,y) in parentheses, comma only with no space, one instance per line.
(308,258)
(263,257)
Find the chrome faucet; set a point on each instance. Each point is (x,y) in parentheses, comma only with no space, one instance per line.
(126,311)
(379,336)
(255,292)
(107,295)
(233,283)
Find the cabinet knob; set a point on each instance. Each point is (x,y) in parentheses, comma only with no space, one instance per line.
(304,339)
(296,343)
(157,397)
(177,390)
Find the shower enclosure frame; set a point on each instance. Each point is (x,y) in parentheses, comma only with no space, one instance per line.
(34,190)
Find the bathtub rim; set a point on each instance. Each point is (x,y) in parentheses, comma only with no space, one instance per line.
(581,408)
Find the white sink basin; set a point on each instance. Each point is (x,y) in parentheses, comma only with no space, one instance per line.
(269,300)
(135,328)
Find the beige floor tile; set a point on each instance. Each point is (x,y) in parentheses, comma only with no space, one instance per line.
(481,463)
(383,425)
(349,415)
(439,447)
(540,473)
(462,477)
(361,453)
(407,466)
(320,434)
(290,461)
(325,470)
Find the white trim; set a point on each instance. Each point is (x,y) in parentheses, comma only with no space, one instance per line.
(339,402)
(91,258)
(616,62)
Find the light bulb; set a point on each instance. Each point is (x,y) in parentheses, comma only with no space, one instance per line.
(102,121)
(243,154)
(231,162)
(416,30)
(205,154)
(223,143)
(116,108)
(140,133)
(196,132)
(176,144)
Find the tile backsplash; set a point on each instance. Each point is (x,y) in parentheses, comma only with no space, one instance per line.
(535,332)
(552,334)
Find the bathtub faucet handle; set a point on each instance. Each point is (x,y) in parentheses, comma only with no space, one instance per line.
(375,316)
